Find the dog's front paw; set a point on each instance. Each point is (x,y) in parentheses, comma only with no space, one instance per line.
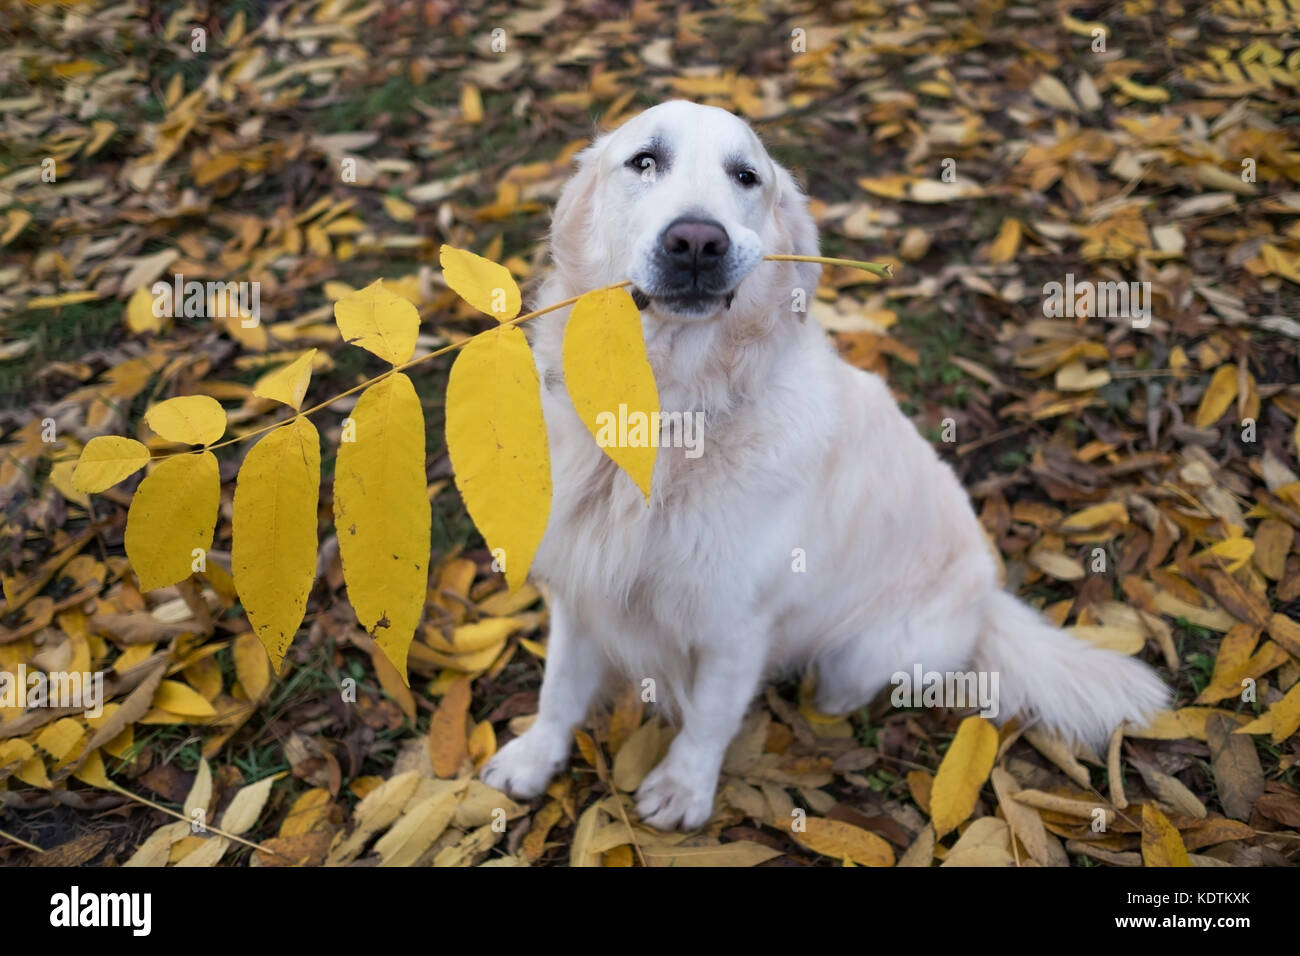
(669,799)
(526,765)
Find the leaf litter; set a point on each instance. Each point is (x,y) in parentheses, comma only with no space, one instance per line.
(328,144)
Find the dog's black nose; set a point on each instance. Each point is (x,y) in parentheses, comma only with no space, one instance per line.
(695,243)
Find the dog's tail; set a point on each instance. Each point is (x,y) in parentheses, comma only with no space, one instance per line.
(1080,691)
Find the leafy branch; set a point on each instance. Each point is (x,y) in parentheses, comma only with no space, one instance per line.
(496,438)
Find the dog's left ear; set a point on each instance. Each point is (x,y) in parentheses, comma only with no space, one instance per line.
(575,214)
(797,231)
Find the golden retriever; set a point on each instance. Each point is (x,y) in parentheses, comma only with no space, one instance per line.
(813,527)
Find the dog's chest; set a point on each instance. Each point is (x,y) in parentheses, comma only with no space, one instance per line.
(604,545)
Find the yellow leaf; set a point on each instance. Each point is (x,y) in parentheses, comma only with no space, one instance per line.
(200,795)
(1122,640)
(1260,725)
(1096,516)
(1081,27)
(482,742)
(63,298)
(421,823)
(638,756)
(610,381)
(1235,552)
(1056,564)
(1161,843)
(962,773)
(1075,377)
(382,514)
(1048,89)
(934,191)
(472,663)
(177,698)
(92,772)
(190,419)
(734,854)
(379,321)
(482,283)
(469,638)
(214,167)
(17,222)
(1282,719)
(394,685)
(288,384)
(398,210)
(61,478)
(1177,724)
(139,313)
(891,187)
(172,515)
(1231,664)
(496,437)
(60,738)
(251,666)
(347,226)
(1218,396)
(246,806)
(106,460)
(1147,94)
(1008,241)
(273,555)
(840,840)
(471,104)
(309,811)
(447,729)
(20,758)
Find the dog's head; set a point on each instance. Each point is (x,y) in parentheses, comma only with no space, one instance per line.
(684,201)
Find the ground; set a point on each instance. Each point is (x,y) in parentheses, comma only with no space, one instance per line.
(1135,463)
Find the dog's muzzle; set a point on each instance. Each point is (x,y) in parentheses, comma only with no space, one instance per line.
(690,267)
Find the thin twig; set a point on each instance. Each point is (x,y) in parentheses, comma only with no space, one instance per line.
(883,269)
(180,816)
(23,843)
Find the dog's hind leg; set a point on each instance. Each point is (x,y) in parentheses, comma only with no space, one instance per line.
(575,673)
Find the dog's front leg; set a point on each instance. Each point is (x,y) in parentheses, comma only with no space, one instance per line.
(575,670)
(679,792)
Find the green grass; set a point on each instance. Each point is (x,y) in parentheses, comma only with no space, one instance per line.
(60,334)
(935,336)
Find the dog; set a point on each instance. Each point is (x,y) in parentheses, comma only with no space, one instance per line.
(815,529)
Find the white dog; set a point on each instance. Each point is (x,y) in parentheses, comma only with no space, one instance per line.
(817,529)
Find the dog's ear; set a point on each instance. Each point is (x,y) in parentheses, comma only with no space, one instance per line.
(796,227)
(575,218)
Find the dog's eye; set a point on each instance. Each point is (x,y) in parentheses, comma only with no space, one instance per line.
(746,177)
(643,162)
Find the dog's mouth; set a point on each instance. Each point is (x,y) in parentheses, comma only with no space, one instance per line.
(685,302)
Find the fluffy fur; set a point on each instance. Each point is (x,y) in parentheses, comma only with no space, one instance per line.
(698,591)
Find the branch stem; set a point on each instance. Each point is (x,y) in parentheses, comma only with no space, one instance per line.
(877,268)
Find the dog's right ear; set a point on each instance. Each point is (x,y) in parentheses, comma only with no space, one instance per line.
(576,216)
